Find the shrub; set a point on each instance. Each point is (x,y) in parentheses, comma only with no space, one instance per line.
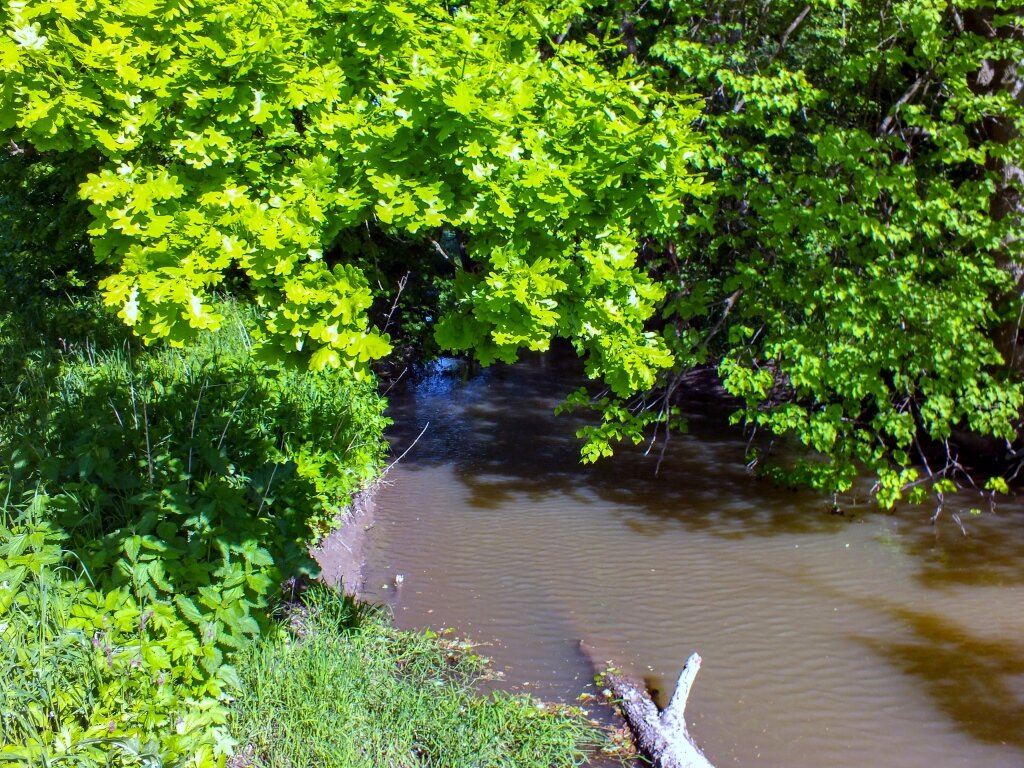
(187,481)
(92,677)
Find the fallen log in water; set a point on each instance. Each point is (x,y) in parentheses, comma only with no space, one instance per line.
(661,736)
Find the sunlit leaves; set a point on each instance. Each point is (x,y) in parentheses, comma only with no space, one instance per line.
(242,139)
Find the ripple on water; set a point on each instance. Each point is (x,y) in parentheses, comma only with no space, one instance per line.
(857,640)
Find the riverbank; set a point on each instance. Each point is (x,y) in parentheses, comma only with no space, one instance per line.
(341,554)
(351,691)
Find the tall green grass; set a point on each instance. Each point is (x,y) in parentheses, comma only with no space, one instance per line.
(354,692)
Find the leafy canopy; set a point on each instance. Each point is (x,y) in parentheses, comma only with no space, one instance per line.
(849,274)
(239,141)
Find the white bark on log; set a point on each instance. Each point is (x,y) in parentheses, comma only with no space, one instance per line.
(661,736)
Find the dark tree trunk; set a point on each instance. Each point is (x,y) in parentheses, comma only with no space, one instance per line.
(992,77)
(1003,76)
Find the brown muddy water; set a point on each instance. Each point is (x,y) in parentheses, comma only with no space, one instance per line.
(861,640)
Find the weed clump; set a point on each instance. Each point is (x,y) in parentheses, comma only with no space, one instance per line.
(356,692)
(157,497)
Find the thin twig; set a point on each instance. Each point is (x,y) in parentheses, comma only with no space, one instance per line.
(742,102)
(393,383)
(192,431)
(149,449)
(231,418)
(886,125)
(411,446)
(664,447)
(394,304)
(441,250)
(793,27)
(266,492)
(117,415)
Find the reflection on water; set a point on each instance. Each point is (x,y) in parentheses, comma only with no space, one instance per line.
(856,640)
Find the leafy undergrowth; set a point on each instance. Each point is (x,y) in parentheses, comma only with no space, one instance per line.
(90,676)
(156,498)
(354,691)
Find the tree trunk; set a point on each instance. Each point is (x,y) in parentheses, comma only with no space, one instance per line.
(992,77)
(995,77)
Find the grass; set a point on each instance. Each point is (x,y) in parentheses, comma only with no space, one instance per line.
(355,692)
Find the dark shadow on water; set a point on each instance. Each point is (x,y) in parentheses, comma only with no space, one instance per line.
(499,433)
(977,683)
(990,554)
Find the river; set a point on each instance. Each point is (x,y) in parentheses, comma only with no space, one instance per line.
(861,639)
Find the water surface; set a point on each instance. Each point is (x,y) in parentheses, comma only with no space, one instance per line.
(862,639)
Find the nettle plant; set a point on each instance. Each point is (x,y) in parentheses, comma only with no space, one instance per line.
(95,676)
(185,483)
(226,143)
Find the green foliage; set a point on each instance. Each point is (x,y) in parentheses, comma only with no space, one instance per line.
(92,677)
(850,276)
(187,481)
(851,273)
(176,430)
(355,692)
(43,240)
(254,140)
(621,421)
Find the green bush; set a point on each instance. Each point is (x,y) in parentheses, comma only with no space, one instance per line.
(91,677)
(187,481)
